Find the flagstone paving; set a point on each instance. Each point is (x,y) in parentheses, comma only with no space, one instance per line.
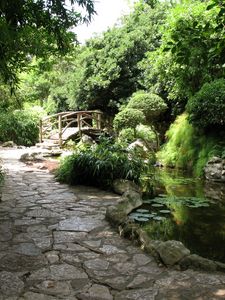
(56,244)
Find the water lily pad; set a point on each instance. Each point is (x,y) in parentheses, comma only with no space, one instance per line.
(148,201)
(165,211)
(141,219)
(142,210)
(159,218)
(157,205)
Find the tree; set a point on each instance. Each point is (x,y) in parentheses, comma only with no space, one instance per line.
(128,118)
(39,28)
(151,105)
(107,70)
(207,107)
(192,53)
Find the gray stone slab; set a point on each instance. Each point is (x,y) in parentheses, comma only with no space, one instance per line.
(97,264)
(68,236)
(5,231)
(79,224)
(54,288)
(10,284)
(96,292)
(26,249)
(17,262)
(59,272)
(142,294)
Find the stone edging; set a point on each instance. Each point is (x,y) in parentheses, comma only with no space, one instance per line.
(170,253)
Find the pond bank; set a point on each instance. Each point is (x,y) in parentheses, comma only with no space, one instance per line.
(170,253)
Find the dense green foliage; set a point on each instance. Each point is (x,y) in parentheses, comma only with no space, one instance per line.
(35,28)
(99,165)
(207,107)
(103,73)
(128,118)
(19,126)
(191,53)
(187,148)
(150,104)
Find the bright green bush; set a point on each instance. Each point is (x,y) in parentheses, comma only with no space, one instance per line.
(207,107)
(128,118)
(187,148)
(143,132)
(99,166)
(19,126)
(150,104)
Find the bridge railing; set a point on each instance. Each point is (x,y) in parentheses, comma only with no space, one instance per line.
(63,120)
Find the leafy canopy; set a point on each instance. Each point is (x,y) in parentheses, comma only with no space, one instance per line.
(40,28)
(207,107)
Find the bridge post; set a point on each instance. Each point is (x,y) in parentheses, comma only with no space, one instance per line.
(98,120)
(60,130)
(40,131)
(79,122)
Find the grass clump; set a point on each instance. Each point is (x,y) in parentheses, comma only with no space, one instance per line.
(100,165)
(188,148)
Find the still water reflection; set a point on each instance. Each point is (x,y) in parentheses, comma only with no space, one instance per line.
(201,229)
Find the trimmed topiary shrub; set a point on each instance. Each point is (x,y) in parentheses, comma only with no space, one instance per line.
(207,107)
(150,104)
(128,118)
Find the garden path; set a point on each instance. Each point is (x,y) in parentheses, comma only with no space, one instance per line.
(56,244)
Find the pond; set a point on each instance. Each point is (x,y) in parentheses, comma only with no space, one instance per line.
(186,209)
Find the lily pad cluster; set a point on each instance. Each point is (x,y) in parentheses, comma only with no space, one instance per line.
(158,208)
(193,202)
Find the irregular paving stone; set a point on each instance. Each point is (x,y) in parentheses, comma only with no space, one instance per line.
(70,259)
(143,294)
(59,272)
(117,282)
(5,231)
(141,259)
(27,249)
(10,284)
(36,296)
(16,262)
(57,288)
(79,224)
(141,281)
(109,249)
(52,256)
(42,213)
(68,236)
(96,292)
(126,268)
(97,264)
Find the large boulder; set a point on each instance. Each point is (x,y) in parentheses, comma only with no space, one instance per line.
(215,169)
(171,252)
(120,186)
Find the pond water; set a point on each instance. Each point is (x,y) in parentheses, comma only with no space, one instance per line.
(186,209)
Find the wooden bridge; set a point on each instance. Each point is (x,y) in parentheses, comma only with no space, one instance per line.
(61,126)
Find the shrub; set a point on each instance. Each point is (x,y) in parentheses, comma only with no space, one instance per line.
(143,132)
(189,149)
(207,107)
(99,166)
(150,104)
(20,126)
(128,118)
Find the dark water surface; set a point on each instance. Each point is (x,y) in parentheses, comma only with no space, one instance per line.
(191,211)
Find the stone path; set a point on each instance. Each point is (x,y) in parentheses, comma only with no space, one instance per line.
(56,244)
